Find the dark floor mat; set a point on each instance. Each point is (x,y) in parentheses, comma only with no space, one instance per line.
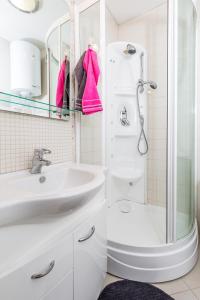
(132,290)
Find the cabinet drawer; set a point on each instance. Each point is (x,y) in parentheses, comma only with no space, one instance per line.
(20,286)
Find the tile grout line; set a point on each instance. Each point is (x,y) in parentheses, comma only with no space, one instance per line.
(194,294)
(184,291)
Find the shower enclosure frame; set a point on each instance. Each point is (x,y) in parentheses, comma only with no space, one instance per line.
(171,234)
(175,257)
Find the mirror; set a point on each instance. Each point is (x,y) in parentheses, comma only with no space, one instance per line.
(35,59)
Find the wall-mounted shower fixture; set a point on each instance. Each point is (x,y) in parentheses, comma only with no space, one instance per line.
(140,88)
(130,49)
(124,118)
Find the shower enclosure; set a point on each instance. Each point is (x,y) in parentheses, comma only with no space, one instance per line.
(146,136)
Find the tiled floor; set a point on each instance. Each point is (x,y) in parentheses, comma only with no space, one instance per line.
(185,288)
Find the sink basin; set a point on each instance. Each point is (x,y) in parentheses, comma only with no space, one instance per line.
(57,190)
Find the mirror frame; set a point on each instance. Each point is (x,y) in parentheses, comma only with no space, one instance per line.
(56,24)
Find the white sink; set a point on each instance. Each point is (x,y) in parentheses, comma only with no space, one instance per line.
(65,187)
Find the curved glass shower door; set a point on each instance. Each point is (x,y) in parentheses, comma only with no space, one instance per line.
(185,93)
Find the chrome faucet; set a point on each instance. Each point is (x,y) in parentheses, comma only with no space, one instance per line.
(38,160)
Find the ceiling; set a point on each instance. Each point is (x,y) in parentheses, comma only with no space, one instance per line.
(18,25)
(124,10)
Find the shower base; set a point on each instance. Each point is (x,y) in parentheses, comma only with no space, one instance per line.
(137,249)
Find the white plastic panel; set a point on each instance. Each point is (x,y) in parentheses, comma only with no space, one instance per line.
(123,74)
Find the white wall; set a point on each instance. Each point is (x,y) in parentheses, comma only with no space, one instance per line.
(112,28)
(5,64)
(150,31)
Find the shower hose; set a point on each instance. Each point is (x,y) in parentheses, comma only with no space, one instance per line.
(142,132)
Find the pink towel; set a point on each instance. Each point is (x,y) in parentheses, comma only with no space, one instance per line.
(61,85)
(91,102)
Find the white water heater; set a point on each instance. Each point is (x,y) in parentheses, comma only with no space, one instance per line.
(25,62)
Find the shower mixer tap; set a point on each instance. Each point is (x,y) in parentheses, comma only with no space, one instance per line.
(123,117)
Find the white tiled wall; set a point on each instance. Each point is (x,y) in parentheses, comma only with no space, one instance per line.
(21,134)
(5,64)
(150,30)
(91,132)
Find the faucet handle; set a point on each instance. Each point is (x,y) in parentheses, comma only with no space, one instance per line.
(40,152)
(46,151)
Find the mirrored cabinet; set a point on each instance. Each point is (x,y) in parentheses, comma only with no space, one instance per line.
(35,51)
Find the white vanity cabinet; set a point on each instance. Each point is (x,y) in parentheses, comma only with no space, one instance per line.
(90,259)
(72,267)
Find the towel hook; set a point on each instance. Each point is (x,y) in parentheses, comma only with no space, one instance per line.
(93,47)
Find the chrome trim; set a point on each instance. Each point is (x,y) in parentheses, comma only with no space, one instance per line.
(124,117)
(38,160)
(172,117)
(45,273)
(88,236)
(197,41)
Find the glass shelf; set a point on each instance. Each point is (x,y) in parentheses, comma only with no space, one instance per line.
(19,101)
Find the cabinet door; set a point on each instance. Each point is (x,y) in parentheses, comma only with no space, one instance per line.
(63,291)
(20,284)
(90,259)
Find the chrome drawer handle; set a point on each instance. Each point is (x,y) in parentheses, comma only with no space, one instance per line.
(88,236)
(40,275)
